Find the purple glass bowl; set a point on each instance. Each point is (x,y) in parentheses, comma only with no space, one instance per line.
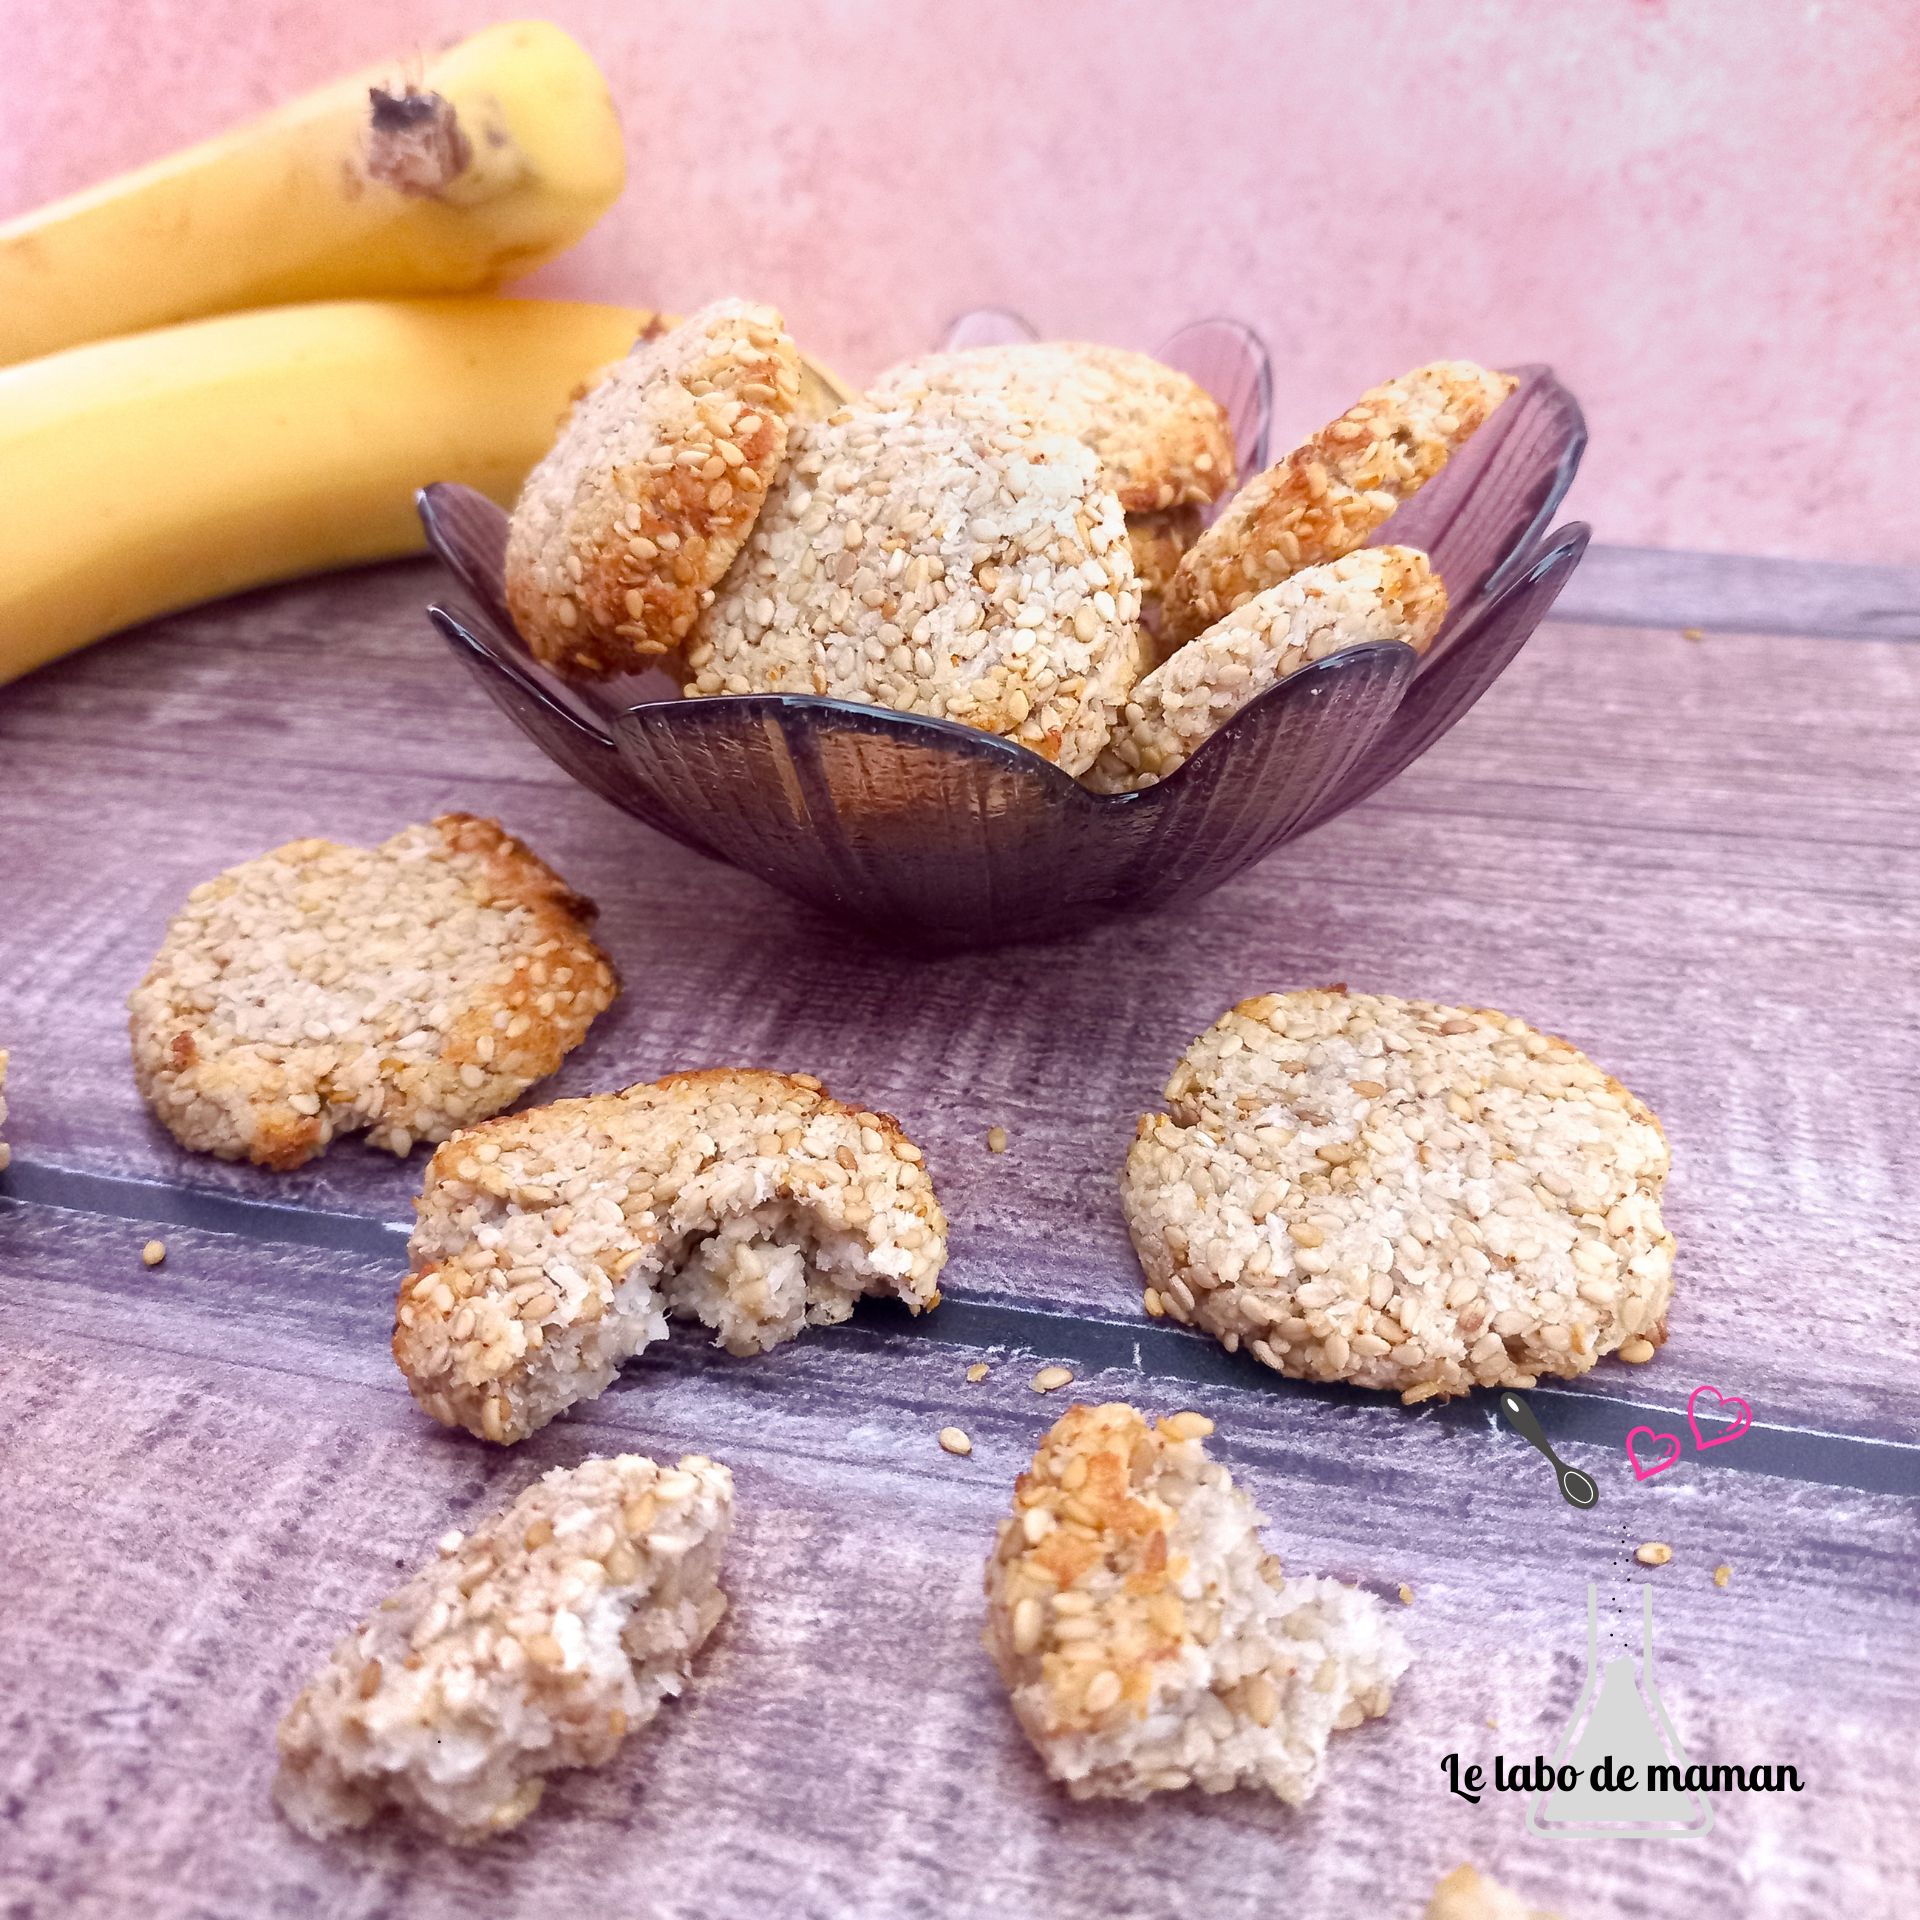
(931,834)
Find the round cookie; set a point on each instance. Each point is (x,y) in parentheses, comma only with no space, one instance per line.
(621,533)
(551,1245)
(1161,438)
(1379,593)
(1327,497)
(960,564)
(406,989)
(1407,1196)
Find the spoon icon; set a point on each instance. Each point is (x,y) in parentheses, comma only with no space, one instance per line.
(1576,1488)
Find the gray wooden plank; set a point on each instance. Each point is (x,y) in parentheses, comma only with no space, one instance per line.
(225,1472)
(1741,593)
(1697,860)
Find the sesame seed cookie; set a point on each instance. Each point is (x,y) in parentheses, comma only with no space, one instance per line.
(1468,1894)
(959,564)
(1327,497)
(622,532)
(6,1152)
(405,989)
(552,1245)
(1379,593)
(1418,1198)
(534,1645)
(1148,1640)
(1161,438)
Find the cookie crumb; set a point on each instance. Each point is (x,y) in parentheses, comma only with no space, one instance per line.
(996,1139)
(153,1253)
(1406,1594)
(1722,1574)
(1050,1379)
(976,1373)
(954,1440)
(1653,1553)
(1637,1352)
(1691,633)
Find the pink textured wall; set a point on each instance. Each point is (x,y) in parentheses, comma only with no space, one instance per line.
(1706,213)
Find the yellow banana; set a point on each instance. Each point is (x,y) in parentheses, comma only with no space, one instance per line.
(143,474)
(505,152)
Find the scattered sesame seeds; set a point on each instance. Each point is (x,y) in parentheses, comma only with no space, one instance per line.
(1722,1574)
(1051,1379)
(407,990)
(996,1139)
(1653,1553)
(153,1253)
(976,1373)
(1406,1594)
(955,1440)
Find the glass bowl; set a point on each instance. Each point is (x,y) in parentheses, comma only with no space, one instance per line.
(931,834)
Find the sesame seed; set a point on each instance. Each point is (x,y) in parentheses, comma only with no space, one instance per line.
(1406,1595)
(1186,1426)
(1653,1553)
(1722,1574)
(954,1440)
(996,1139)
(976,1373)
(153,1253)
(1051,1379)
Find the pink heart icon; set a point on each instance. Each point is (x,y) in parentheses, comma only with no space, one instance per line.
(1658,1466)
(1740,1425)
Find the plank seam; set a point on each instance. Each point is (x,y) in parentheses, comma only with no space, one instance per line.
(1793,1450)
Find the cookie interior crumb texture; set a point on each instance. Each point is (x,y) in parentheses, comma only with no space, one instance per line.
(1468,1894)
(1400,1194)
(1147,1639)
(406,990)
(960,565)
(622,532)
(1328,496)
(534,1645)
(552,1245)
(1162,440)
(1379,594)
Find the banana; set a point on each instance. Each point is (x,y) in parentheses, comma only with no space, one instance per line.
(506,153)
(141,475)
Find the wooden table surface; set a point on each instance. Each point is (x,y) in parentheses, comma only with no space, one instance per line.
(1698,858)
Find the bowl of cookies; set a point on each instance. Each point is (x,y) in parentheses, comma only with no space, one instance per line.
(1004,645)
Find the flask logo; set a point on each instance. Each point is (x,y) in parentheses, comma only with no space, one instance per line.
(1628,1761)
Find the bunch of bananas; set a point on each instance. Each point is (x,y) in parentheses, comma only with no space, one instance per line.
(237,365)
